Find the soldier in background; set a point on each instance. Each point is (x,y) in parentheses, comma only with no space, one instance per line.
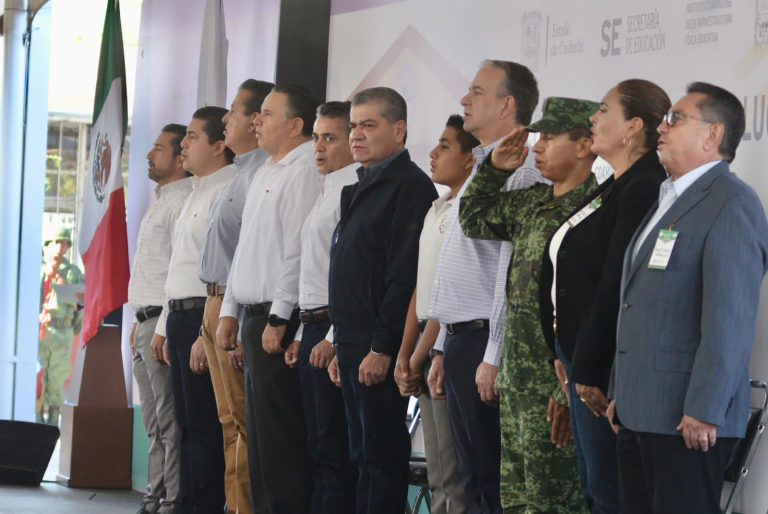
(60,320)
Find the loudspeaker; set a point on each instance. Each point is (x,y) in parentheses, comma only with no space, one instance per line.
(25,450)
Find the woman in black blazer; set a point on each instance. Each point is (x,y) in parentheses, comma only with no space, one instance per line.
(581,275)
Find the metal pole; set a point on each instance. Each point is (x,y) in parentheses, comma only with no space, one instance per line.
(11,164)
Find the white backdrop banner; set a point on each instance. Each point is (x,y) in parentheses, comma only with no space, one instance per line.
(430,49)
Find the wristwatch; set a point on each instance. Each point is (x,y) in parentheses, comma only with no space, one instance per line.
(276,321)
(433,352)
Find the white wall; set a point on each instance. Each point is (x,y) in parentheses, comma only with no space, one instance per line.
(430,49)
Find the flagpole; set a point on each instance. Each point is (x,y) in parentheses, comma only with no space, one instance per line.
(96,421)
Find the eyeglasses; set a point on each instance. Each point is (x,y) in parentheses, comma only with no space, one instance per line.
(672,117)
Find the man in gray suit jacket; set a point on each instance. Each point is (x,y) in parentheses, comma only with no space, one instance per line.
(689,296)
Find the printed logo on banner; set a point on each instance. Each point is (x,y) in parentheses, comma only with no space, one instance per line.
(102,165)
(705,19)
(531,39)
(761,22)
(756,114)
(639,33)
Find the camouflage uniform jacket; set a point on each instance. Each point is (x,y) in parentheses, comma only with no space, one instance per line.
(528,217)
(66,318)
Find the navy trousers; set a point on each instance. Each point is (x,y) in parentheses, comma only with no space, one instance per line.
(202,450)
(334,476)
(379,443)
(475,425)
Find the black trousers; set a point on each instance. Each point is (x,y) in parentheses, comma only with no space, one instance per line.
(659,475)
(475,425)
(378,439)
(334,475)
(202,451)
(281,476)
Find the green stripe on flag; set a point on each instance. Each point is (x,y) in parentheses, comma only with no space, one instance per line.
(111,63)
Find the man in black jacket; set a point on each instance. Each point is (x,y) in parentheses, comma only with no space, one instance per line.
(372,276)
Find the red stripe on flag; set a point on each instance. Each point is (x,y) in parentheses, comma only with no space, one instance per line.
(106,266)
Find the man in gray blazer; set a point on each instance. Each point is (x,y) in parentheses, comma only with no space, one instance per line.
(689,296)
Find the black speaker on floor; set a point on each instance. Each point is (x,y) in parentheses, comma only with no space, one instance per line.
(25,450)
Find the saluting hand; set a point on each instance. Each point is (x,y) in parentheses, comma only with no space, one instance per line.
(511,152)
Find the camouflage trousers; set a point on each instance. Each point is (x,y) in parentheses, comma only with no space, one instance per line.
(536,476)
(54,353)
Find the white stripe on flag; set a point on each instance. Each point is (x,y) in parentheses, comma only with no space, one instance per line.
(104,172)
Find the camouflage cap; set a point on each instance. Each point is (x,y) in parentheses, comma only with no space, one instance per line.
(563,114)
(59,234)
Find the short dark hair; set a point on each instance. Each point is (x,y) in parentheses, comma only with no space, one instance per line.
(722,107)
(466,140)
(577,133)
(393,106)
(519,83)
(301,104)
(335,110)
(178,131)
(214,126)
(258,89)
(645,100)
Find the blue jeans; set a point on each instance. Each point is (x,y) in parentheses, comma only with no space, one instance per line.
(595,451)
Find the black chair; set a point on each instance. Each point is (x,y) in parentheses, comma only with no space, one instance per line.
(417,475)
(738,466)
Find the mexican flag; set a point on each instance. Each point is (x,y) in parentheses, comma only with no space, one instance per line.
(103,241)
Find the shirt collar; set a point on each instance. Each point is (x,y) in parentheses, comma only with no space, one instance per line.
(341,176)
(684,182)
(376,168)
(443,200)
(481,152)
(214,178)
(290,157)
(248,159)
(176,185)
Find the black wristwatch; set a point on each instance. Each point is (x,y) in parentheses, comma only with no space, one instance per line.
(276,321)
(434,352)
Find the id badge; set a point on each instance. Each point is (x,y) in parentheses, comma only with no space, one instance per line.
(663,249)
(585,212)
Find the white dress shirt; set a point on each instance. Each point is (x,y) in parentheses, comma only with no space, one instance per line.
(265,267)
(669,191)
(153,245)
(471,275)
(430,241)
(183,279)
(316,236)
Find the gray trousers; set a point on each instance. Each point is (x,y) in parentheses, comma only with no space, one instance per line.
(157,408)
(448,496)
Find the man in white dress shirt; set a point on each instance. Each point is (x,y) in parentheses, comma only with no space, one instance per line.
(470,277)
(312,350)
(263,286)
(202,459)
(146,297)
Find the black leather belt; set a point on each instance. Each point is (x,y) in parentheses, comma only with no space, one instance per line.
(146,313)
(467,326)
(258,309)
(309,316)
(187,304)
(422,325)
(214,289)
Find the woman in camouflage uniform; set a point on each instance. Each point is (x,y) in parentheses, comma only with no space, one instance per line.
(538,469)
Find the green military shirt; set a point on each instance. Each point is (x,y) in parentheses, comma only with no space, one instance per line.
(66,318)
(528,217)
